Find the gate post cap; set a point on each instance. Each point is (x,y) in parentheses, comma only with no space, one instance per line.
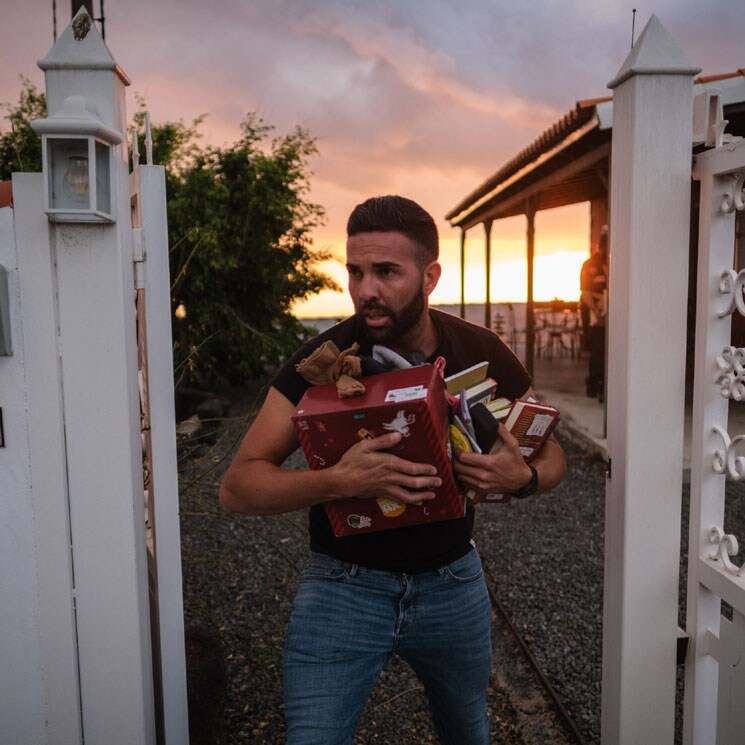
(655,53)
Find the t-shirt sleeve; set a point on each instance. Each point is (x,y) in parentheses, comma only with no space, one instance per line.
(463,344)
(288,381)
(512,378)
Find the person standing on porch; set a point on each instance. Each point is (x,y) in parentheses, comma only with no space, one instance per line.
(416,591)
(593,284)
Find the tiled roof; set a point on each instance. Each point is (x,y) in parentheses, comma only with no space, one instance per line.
(574,119)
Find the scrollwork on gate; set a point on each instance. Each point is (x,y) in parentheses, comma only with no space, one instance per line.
(731,283)
(733,197)
(731,373)
(727,461)
(725,545)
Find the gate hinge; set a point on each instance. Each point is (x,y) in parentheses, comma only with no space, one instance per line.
(139,256)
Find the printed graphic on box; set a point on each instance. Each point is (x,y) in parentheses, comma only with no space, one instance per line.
(411,401)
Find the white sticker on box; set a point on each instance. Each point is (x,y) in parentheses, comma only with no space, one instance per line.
(539,425)
(412,393)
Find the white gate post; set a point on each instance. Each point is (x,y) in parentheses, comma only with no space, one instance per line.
(98,364)
(649,237)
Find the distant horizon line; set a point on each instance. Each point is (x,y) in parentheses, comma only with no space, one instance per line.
(437,305)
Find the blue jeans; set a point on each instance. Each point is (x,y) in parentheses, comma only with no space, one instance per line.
(348,620)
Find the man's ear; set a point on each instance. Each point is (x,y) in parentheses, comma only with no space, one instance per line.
(432,273)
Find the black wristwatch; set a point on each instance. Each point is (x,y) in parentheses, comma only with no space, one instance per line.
(530,488)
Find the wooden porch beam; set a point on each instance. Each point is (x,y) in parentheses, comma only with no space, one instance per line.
(462,273)
(487,261)
(530,210)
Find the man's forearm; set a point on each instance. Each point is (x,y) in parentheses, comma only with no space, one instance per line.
(257,485)
(261,488)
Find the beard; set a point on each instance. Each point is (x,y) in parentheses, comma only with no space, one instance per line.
(400,322)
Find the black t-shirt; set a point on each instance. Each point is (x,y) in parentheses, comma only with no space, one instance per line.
(413,548)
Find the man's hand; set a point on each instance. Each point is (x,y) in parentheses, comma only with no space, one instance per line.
(502,472)
(256,484)
(365,470)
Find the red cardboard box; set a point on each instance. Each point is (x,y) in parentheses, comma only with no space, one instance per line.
(412,401)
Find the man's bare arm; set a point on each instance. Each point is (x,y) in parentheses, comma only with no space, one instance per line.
(256,484)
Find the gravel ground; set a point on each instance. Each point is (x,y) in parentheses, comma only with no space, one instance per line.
(545,559)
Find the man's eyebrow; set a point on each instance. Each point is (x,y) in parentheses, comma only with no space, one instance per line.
(377,265)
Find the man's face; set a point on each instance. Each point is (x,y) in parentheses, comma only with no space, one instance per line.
(388,287)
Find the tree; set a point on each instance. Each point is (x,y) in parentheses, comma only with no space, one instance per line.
(239,222)
(20,148)
(241,252)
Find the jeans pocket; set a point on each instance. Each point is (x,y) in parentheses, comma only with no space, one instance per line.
(466,569)
(319,567)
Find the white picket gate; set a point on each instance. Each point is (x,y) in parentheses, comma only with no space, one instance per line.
(160,469)
(91,621)
(715,670)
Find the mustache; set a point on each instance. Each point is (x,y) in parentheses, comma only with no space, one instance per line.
(374,305)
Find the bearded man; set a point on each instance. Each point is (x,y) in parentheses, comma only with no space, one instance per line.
(416,591)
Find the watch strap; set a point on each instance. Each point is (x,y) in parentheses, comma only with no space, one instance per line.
(530,488)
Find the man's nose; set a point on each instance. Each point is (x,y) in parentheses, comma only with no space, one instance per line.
(367,288)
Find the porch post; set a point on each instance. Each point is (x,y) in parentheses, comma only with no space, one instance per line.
(487,268)
(649,232)
(462,273)
(530,211)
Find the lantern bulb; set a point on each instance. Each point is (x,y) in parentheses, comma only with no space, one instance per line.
(76,178)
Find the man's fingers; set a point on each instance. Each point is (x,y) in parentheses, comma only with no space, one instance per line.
(383,442)
(406,496)
(396,464)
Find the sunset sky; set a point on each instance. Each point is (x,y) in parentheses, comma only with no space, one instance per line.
(425,98)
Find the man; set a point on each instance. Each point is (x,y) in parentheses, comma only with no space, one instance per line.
(416,591)
(593,283)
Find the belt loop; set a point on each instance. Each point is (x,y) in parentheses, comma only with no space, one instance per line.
(353,569)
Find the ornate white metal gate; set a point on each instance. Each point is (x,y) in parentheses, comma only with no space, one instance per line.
(715,669)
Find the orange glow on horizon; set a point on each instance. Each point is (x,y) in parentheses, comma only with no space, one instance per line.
(561,245)
(555,275)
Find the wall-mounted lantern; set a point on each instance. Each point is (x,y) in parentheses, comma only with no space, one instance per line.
(77,164)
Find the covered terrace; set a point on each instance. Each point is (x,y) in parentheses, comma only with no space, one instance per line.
(568,164)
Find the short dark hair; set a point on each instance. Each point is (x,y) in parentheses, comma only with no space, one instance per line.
(395,214)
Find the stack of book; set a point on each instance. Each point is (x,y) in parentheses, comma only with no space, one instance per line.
(478,413)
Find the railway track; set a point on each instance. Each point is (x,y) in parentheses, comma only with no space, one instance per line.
(527,682)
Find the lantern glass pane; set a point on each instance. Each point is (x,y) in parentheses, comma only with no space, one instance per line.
(103,177)
(68,173)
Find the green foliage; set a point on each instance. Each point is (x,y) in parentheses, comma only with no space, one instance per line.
(241,253)
(20,147)
(239,222)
